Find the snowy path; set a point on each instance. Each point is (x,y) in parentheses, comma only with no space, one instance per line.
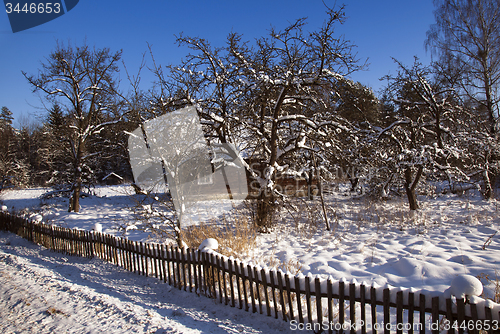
(46,292)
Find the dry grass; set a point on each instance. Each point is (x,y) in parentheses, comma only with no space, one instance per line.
(236,237)
(496,285)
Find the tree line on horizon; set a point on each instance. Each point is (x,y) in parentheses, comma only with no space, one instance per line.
(286,101)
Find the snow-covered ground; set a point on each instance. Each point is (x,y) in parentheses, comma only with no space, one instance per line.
(381,242)
(369,241)
(46,292)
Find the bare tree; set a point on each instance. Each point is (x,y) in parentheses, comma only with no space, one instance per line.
(83,81)
(268,98)
(467,37)
(286,80)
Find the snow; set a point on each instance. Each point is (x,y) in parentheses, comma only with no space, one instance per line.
(98,227)
(209,243)
(47,292)
(378,243)
(466,285)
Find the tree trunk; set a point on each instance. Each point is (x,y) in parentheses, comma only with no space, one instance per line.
(320,192)
(354,183)
(265,211)
(488,188)
(74,202)
(310,186)
(411,185)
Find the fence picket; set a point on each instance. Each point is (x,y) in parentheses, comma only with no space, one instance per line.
(149,261)
(257,288)
(341,305)
(387,318)
(219,268)
(329,296)
(131,255)
(421,307)
(251,283)
(168,260)
(273,293)
(231,286)
(195,269)
(299,300)
(289,297)
(308,299)
(281,295)
(411,310)
(362,297)
(373,302)
(238,286)
(116,251)
(189,260)
(399,311)
(460,314)
(224,281)
(183,266)
(157,265)
(162,262)
(489,316)
(317,293)
(352,306)
(177,271)
(266,294)
(435,313)
(475,318)
(449,314)
(244,286)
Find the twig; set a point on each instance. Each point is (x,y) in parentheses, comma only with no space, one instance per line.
(489,240)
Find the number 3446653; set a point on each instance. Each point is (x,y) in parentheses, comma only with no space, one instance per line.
(33,8)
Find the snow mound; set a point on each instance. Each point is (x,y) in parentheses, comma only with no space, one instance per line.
(37,218)
(98,227)
(209,243)
(464,259)
(466,285)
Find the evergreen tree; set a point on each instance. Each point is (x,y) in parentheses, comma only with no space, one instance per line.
(6,118)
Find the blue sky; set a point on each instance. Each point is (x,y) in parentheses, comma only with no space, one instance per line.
(381,30)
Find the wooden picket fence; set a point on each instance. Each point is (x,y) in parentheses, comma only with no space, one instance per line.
(322,305)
